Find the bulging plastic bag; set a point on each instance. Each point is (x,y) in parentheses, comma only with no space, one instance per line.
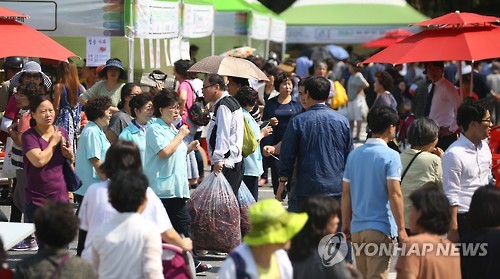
(215,215)
(245,200)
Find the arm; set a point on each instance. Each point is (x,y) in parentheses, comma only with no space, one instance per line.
(397,206)
(15,135)
(182,99)
(287,159)
(96,163)
(152,260)
(39,158)
(171,236)
(346,208)
(172,146)
(111,135)
(451,186)
(222,144)
(58,88)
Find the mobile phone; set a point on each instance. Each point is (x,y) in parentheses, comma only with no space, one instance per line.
(264,124)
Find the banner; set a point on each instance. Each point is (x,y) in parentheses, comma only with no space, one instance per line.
(75,18)
(98,51)
(336,34)
(278,30)
(260,27)
(198,21)
(156,19)
(231,23)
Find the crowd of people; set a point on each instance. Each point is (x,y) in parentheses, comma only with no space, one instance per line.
(137,152)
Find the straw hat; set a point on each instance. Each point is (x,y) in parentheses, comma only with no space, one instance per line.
(272,224)
(31,67)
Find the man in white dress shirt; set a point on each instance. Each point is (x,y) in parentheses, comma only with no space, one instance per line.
(467,164)
(225,133)
(442,104)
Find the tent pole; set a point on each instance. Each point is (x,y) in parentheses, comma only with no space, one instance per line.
(283,51)
(266,54)
(212,43)
(131,43)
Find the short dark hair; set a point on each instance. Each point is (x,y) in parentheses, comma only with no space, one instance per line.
(96,107)
(382,117)
(137,102)
(438,64)
(127,190)
(318,63)
(470,110)
(35,101)
(283,77)
(434,207)
(56,223)
(270,68)
(239,81)
(125,92)
(181,67)
(422,131)
(484,210)
(246,96)
(121,155)
(30,89)
(193,48)
(214,79)
(164,98)
(384,79)
(320,210)
(318,88)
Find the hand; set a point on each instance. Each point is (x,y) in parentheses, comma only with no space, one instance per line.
(453,235)
(186,244)
(356,274)
(268,150)
(218,168)
(438,151)
(402,235)
(266,131)
(193,145)
(66,149)
(279,192)
(183,131)
(346,230)
(55,138)
(273,121)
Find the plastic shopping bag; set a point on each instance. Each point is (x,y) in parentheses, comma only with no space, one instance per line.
(215,215)
(8,169)
(245,200)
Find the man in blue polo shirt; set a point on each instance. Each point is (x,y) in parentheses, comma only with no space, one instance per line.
(371,181)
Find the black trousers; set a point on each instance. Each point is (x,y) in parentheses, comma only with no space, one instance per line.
(464,227)
(445,141)
(234,176)
(178,213)
(252,183)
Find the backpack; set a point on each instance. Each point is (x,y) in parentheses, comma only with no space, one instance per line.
(250,142)
(233,105)
(198,113)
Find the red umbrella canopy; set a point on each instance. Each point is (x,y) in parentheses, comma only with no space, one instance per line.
(4,12)
(26,41)
(390,38)
(458,19)
(469,44)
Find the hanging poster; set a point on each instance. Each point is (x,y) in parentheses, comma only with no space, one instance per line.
(143,54)
(175,50)
(278,30)
(165,49)
(198,21)
(185,49)
(156,19)
(151,54)
(98,51)
(260,27)
(158,51)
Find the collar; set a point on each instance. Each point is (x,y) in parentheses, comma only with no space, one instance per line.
(317,106)
(92,124)
(441,80)
(375,141)
(469,144)
(224,94)
(136,127)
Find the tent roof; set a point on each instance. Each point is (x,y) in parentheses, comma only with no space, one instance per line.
(232,5)
(199,2)
(351,12)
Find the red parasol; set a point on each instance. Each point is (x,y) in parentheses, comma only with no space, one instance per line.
(469,44)
(390,38)
(26,41)
(6,13)
(458,19)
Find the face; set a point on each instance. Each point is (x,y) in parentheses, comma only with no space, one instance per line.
(44,114)
(434,73)
(170,114)
(209,91)
(484,127)
(232,87)
(332,225)
(136,90)
(35,77)
(104,121)
(271,79)
(303,97)
(286,87)
(414,216)
(21,100)
(320,71)
(113,73)
(144,114)
(377,86)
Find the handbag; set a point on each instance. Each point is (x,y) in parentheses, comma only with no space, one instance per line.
(198,113)
(73,182)
(340,97)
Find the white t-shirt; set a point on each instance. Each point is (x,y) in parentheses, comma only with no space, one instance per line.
(128,246)
(96,211)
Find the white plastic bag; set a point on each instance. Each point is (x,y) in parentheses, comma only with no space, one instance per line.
(8,170)
(245,200)
(215,215)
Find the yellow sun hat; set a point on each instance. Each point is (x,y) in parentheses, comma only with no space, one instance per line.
(272,224)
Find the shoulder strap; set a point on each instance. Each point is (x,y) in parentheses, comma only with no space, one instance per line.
(62,262)
(240,265)
(407,167)
(230,102)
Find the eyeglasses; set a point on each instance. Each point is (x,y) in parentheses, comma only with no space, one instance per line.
(19,95)
(31,75)
(174,108)
(205,87)
(487,120)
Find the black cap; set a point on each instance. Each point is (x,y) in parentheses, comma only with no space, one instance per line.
(13,62)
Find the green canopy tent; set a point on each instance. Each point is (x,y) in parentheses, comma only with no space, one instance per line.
(346,21)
